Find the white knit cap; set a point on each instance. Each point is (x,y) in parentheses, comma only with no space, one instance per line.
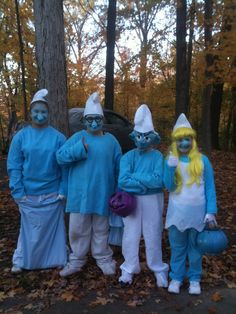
(40,96)
(93,105)
(182,122)
(143,120)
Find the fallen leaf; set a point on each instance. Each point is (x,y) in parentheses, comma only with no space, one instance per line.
(231,285)
(49,283)
(212,310)
(216,297)
(3,296)
(29,306)
(198,302)
(135,303)
(100,301)
(67,296)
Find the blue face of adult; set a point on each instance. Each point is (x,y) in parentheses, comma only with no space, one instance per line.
(144,140)
(184,144)
(39,113)
(94,123)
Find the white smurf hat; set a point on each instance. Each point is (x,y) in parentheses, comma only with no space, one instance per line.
(93,105)
(40,96)
(143,120)
(182,122)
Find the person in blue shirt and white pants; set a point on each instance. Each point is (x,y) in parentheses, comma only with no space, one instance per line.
(38,185)
(92,157)
(141,174)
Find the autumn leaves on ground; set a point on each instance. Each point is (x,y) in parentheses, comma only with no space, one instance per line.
(39,290)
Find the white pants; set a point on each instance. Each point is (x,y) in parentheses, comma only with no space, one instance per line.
(146,221)
(85,231)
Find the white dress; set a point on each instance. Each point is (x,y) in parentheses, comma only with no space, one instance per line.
(187,208)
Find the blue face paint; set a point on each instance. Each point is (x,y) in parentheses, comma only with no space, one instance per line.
(144,140)
(93,123)
(184,144)
(39,113)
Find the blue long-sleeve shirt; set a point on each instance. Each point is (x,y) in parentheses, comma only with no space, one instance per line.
(208,178)
(141,172)
(93,173)
(32,165)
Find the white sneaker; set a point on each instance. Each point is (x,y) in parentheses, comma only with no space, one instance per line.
(126,278)
(162,281)
(174,286)
(69,270)
(16,270)
(108,268)
(194,288)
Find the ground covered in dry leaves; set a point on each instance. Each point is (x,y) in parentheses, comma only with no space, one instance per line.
(39,291)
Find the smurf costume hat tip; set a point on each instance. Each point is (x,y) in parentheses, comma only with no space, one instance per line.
(143,120)
(93,105)
(39,96)
(182,122)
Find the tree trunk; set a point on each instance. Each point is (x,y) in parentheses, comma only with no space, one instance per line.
(3,141)
(189,54)
(51,61)
(216,101)
(22,63)
(233,91)
(228,128)
(110,58)
(143,62)
(206,103)
(217,92)
(181,62)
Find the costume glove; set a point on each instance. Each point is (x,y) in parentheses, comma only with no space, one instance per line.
(210,219)
(172,161)
(61,197)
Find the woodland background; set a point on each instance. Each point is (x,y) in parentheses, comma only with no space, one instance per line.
(176,56)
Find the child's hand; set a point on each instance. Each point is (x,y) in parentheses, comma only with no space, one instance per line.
(210,219)
(172,161)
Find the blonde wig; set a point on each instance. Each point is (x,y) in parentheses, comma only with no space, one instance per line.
(195,166)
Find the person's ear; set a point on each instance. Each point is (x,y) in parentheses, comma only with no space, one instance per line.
(132,135)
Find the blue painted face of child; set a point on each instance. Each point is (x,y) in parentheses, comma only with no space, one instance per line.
(93,122)
(184,144)
(144,140)
(39,113)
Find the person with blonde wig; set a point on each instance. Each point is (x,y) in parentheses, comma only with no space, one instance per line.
(188,176)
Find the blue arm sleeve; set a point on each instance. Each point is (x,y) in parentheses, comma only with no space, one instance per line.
(169,177)
(64,173)
(126,181)
(155,179)
(73,150)
(210,191)
(15,162)
(63,189)
(117,157)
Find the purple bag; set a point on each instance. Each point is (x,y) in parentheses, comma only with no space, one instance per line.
(122,203)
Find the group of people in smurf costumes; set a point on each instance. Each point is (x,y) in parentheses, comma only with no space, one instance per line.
(48,174)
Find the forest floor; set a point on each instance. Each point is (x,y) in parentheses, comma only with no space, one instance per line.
(91,292)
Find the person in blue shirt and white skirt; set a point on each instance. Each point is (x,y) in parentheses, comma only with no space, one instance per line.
(38,185)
